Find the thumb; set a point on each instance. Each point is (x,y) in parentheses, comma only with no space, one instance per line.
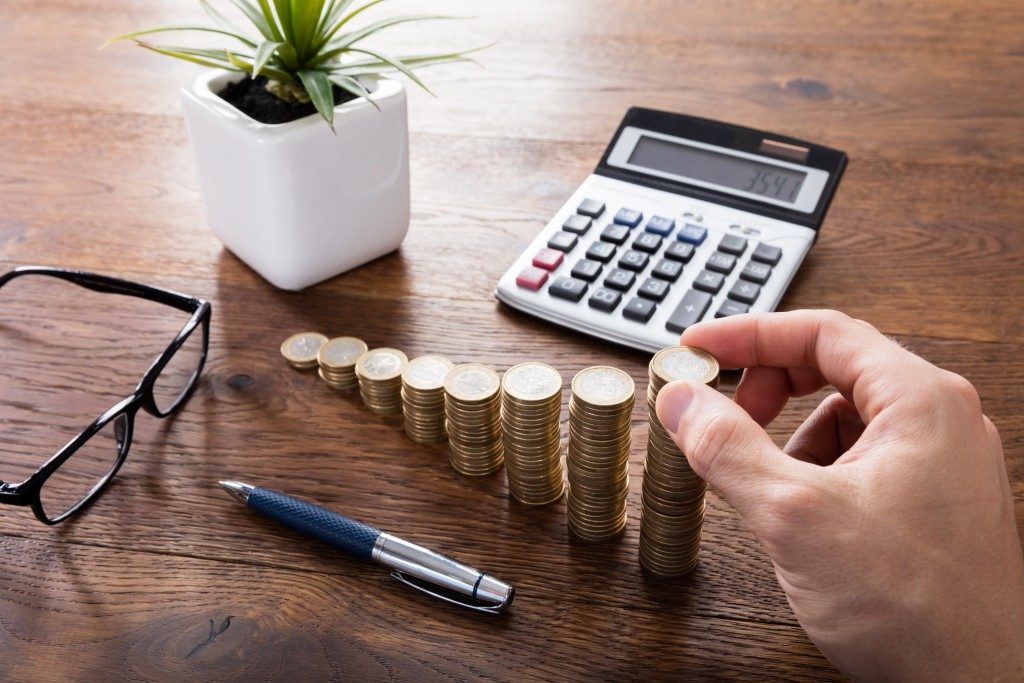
(723,444)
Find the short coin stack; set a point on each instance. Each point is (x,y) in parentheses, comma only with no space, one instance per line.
(423,398)
(300,350)
(531,404)
(673,496)
(473,409)
(380,379)
(598,454)
(337,359)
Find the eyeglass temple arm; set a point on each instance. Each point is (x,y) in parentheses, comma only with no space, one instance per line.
(108,285)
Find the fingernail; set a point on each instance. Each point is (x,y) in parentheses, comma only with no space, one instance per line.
(673,400)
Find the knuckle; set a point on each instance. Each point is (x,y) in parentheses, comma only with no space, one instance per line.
(962,389)
(788,508)
(708,441)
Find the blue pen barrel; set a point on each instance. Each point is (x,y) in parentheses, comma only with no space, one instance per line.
(343,533)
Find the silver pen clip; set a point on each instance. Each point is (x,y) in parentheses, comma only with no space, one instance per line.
(422,587)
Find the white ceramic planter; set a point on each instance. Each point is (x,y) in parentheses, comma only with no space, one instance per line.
(294,201)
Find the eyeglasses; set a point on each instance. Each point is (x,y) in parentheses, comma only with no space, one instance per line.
(82,469)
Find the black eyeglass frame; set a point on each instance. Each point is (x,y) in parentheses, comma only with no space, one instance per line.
(28,492)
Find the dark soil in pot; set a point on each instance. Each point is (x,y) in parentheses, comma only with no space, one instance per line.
(252,98)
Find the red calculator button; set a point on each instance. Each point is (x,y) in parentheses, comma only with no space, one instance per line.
(532,278)
(548,259)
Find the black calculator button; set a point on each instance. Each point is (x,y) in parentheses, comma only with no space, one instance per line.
(601,251)
(653,289)
(719,262)
(616,234)
(694,234)
(639,310)
(648,242)
(577,224)
(634,260)
(590,207)
(680,251)
(744,291)
(756,272)
(667,270)
(563,241)
(568,288)
(767,254)
(586,269)
(733,244)
(630,217)
(731,308)
(709,282)
(605,300)
(689,311)
(660,225)
(620,279)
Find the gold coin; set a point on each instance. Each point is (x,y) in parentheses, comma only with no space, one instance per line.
(426,373)
(532,382)
(603,386)
(472,383)
(381,365)
(341,353)
(685,362)
(300,350)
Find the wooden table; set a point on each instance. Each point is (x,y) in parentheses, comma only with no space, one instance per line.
(166,577)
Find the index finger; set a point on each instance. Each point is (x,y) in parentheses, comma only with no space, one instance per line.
(868,368)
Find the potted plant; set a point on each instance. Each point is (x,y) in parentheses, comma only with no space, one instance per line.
(301,141)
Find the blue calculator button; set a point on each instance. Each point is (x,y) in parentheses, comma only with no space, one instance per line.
(660,225)
(694,234)
(630,217)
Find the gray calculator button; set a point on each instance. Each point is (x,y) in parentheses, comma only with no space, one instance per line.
(667,270)
(590,207)
(689,311)
(568,288)
(634,260)
(653,289)
(620,279)
(605,300)
(756,272)
(744,291)
(731,308)
(719,262)
(639,310)
(585,269)
(563,241)
(708,281)
(616,234)
(767,254)
(577,224)
(733,244)
(680,251)
(647,241)
(601,251)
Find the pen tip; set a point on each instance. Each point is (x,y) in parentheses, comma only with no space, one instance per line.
(237,489)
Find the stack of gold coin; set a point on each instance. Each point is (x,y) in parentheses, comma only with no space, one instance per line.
(598,454)
(531,404)
(473,409)
(380,379)
(423,398)
(337,359)
(673,495)
(300,349)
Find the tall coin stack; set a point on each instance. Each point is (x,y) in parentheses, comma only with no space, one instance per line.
(337,359)
(300,350)
(598,454)
(673,495)
(473,409)
(531,404)
(380,379)
(423,398)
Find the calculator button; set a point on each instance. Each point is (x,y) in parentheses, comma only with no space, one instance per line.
(653,289)
(586,270)
(634,260)
(605,300)
(532,278)
(731,308)
(563,241)
(630,217)
(767,254)
(568,288)
(744,291)
(694,234)
(720,263)
(620,279)
(667,270)
(577,224)
(590,207)
(733,244)
(639,310)
(616,234)
(680,251)
(689,311)
(601,251)
(548,259)
(660,225)
(648,242)
(709,282)
(756,272)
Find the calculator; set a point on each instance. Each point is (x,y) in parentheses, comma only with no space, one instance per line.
(684,219)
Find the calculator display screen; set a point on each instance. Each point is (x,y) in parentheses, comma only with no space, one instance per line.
(767,180)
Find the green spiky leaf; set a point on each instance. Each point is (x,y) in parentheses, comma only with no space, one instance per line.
(318,86)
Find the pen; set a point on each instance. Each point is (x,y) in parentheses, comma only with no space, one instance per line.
(413,565)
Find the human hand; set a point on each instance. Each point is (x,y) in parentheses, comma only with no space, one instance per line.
(888,516)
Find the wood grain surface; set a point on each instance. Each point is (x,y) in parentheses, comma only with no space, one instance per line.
(166,578)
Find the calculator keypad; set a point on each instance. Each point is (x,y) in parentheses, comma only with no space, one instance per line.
(660,225)
(668,270)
